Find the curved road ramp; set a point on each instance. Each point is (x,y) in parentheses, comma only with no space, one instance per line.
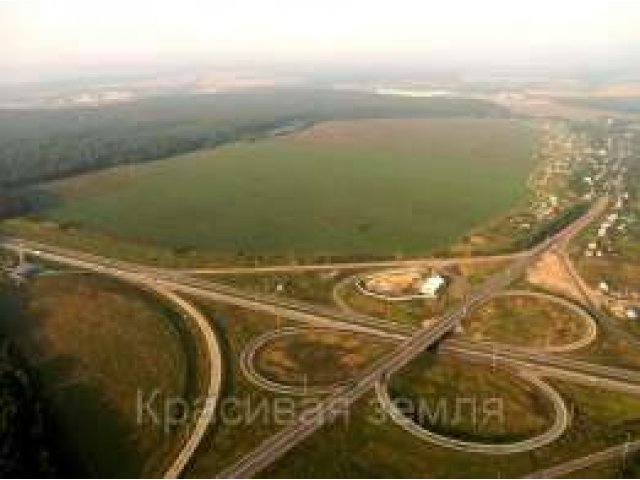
(560,423)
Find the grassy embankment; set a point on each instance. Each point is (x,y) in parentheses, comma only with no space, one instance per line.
(317,357)
(94,344)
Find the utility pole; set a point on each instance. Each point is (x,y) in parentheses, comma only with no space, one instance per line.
(493,357)
(625,451)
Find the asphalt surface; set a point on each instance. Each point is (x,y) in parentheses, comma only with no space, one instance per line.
(591,328)
(528,364)
(542,363)
(549,365)
(416,262)
(620,451)
(557,428)
(335,404)
(208,409)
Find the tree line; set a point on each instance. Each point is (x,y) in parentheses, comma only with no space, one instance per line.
(45,144)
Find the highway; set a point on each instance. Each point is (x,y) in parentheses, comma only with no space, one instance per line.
(559,425)
(529,364)
(541,362)
(548,365)
(591,328)
(307,422)
(319,267)
(273,305)
(247,365)
(214,384)
(337,403)
(620,451)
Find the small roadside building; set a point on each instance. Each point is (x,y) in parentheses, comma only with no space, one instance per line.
(431,286)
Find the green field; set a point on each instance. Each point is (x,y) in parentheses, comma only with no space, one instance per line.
(525,321)
(372,187)
(442,381)
(317,357)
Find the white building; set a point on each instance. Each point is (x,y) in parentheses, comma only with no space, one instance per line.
(431,286)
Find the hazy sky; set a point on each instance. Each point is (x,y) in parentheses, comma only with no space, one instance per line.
(44,36)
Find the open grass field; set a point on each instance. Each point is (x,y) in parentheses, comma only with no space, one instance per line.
(95,343)
(524,321)
(427,384)
(372,187)
(317,357)
(363,447)
(407,312)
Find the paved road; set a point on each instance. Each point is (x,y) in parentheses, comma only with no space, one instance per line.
(594,301)
(618,451)
(591,328)
(592,298)
(273,305)
(589,297)
(543,363)
(286,438)
(210,341)
(416,262)
(336,404)
(535,363)
(307,422)
(528,364)
(557,428)
(208,410)
(343,306)
(247,365)
(549,365)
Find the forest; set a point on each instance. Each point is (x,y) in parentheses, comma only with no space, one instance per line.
(45,144)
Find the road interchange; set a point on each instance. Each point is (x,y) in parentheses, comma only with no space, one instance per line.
(410,343)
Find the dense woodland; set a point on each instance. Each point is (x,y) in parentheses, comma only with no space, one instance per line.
(37,145)
(26,439)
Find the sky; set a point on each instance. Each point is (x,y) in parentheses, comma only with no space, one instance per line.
(39,38)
